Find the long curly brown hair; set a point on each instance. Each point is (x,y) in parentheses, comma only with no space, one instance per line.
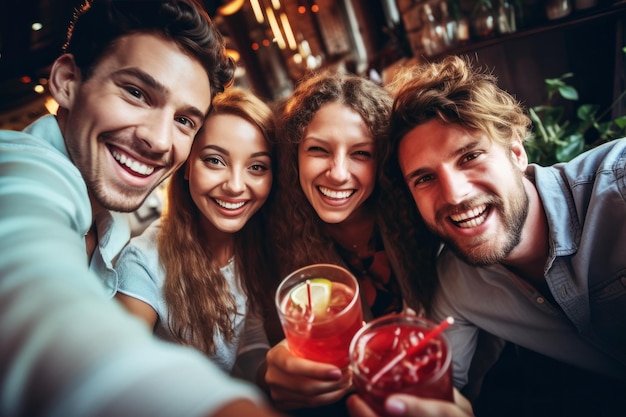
(298,234)
(198,297)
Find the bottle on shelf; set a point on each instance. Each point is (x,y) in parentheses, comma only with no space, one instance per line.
(462,22)
(434,37)
(450,25)
(556,9)
(506,17)
(483,20)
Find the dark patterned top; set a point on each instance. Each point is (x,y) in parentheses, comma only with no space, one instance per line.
(378,284)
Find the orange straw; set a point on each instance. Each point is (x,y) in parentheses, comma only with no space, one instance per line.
(413,349)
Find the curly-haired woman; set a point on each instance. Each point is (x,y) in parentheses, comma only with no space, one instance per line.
(331,207)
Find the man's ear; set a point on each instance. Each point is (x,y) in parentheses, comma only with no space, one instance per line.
(64,79)
(518,154)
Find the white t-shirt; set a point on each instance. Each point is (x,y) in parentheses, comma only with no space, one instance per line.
(141,276)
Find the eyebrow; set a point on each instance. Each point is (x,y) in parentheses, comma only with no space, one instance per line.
(257,154)
(355,145)
(455,153)
(156,85)
(225,152)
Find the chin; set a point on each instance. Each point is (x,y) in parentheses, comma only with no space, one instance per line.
(333,219)
(123,202)
(478,255)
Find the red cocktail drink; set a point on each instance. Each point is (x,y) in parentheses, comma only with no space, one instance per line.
(424,373)
(320,310)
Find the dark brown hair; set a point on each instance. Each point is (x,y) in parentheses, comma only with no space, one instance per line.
(97,24)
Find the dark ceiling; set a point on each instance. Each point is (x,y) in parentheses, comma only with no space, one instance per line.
(26,54)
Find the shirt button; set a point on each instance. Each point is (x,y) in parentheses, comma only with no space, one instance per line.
(540,300)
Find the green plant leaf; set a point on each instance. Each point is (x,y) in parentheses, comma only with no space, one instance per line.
(554,139)
(568,92)
(620,122)
(574,145)
(587,112)
(554,82)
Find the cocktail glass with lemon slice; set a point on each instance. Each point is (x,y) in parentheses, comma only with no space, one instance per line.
(320,310)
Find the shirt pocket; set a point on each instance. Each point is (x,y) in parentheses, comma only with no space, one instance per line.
(608,310)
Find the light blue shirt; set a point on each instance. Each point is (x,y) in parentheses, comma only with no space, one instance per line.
(585,205)
(66,348)
(142,277)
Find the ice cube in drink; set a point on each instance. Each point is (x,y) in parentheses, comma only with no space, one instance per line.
(425,373)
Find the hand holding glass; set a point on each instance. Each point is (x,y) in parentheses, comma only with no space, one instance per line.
(320,310)
(401,353)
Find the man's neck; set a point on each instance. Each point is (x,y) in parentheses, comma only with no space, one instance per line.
(529,258)
(91,240)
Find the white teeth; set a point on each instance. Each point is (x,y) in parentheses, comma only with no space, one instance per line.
(335,194)
(471,218)
(133,165)
(230,206)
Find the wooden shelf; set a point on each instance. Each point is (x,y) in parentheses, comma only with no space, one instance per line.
(576,19)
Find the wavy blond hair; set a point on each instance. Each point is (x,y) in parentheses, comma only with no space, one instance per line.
(456,92)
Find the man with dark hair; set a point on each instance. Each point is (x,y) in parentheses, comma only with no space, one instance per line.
(134,86)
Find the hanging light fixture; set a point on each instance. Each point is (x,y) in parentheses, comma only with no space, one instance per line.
(271,18)
(230,7)
(291,39)
(258,12)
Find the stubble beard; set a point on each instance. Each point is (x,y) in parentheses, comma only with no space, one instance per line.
(120,199)
(488,251)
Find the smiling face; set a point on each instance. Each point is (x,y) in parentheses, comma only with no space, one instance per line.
(336,162)
(468,189)
(132,122)
(229,172)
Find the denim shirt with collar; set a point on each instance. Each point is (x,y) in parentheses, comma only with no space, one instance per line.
(585,205)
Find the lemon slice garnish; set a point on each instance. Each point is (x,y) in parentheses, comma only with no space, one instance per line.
(320,295)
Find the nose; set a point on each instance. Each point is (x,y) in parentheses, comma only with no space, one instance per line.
(454,185)
(339,170)
(234,184)
(157,132)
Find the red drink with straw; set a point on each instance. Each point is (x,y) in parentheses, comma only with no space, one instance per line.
(401,354)
(320,310)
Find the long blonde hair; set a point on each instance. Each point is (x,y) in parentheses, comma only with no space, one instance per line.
(198,297)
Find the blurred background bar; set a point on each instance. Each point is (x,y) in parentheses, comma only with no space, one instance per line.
(276,42)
